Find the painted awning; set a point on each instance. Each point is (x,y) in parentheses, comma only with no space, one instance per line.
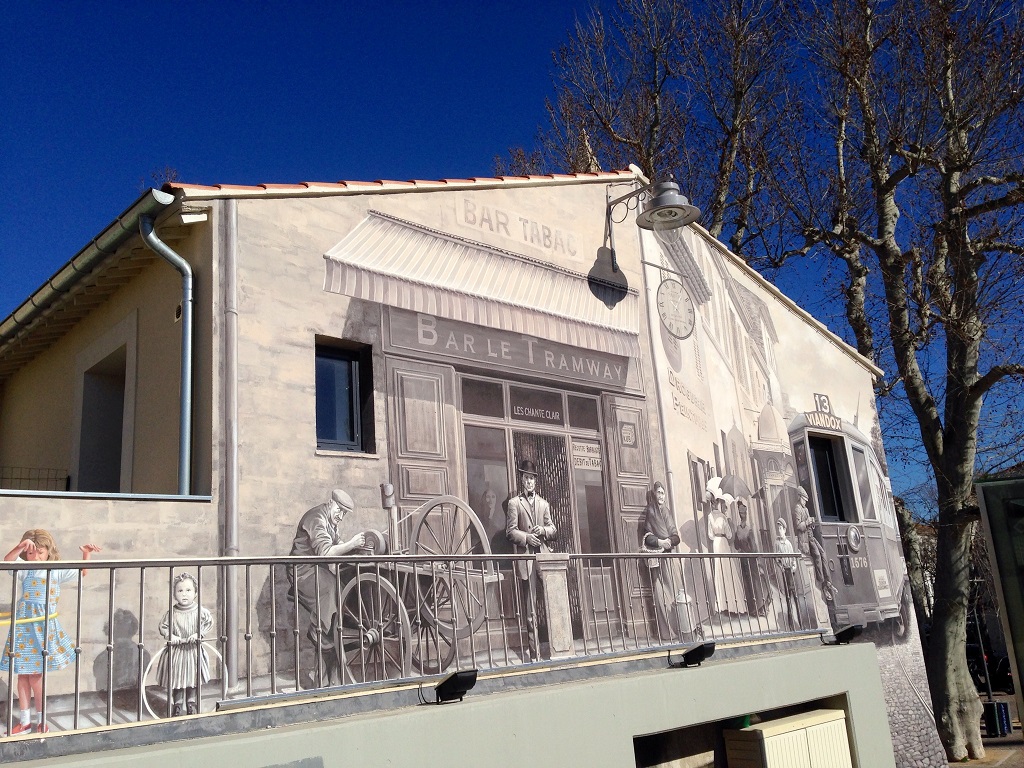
(401,264)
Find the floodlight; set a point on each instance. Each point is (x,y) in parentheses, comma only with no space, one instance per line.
(691,655)
(847,633)
(455,686)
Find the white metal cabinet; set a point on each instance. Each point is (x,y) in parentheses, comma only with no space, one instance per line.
(814,739)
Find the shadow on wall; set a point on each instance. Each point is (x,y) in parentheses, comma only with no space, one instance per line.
(123,661)
(276,590)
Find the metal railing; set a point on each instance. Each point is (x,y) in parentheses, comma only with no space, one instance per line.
(125,647)
(35,479)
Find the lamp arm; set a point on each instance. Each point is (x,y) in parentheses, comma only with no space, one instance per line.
(628,196)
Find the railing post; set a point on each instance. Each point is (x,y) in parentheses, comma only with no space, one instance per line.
(554,576)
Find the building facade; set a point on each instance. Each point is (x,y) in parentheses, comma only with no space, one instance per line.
(435,337)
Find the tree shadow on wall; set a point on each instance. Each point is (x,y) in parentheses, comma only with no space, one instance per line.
(124,661)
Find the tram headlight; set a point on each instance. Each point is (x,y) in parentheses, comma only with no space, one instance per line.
(854,538)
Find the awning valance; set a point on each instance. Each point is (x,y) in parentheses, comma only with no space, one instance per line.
(401,264)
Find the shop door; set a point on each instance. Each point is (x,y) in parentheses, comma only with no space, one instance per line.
(423,435)
(629,465)
(600,593)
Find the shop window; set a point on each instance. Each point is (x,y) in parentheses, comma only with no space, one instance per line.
(583,413)
(539,406)
(483,398)
(829,465)
(344,399)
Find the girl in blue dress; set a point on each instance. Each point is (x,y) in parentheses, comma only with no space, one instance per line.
(34,616)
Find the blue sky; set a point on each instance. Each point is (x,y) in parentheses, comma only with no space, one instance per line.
(94,97)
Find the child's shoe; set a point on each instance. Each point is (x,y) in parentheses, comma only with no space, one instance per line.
(42,728)
(21,728)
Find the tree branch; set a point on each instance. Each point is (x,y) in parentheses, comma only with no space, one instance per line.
(994,376)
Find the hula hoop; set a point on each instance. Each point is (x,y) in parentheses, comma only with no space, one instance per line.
(149,667)
(31,620)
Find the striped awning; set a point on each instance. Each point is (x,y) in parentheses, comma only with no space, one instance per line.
(394,262)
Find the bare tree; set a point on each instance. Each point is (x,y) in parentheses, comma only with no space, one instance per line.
(666,85)
(921,199)
(883,138)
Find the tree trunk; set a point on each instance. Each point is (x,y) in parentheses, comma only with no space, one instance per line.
(915,567)
(955,700)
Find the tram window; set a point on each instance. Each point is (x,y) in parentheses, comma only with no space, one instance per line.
(483,398)
(583,412)
(827,463)
(867,499)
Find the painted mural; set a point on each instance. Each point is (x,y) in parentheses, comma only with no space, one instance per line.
(771,452)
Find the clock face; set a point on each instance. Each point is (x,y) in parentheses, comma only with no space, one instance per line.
(675,307)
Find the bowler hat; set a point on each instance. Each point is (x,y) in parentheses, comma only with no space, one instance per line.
(527,467)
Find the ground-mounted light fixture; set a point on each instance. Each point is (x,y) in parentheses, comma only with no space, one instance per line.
(691,655)
(846,634)
(455,686)
(664,208)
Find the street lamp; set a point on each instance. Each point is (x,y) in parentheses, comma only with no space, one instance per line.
(664,207)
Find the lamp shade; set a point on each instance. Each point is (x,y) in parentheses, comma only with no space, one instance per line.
(667,208)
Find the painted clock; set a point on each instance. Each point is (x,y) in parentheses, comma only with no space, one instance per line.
(675,307)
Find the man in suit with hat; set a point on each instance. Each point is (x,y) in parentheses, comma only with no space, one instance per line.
(528,526)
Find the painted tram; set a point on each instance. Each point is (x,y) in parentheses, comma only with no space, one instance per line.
(849,494)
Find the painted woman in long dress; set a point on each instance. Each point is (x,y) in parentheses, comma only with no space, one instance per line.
(728,580)
(185,663)
(660,534)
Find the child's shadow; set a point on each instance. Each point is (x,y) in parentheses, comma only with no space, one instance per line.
(123,660)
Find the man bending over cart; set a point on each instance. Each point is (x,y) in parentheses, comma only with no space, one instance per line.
(315,586)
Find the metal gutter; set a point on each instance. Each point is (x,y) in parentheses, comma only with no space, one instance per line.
(83,263)
(229,228)
(185,410)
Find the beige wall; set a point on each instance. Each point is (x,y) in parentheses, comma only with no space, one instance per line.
(126,530)
(584,723)
(41,402)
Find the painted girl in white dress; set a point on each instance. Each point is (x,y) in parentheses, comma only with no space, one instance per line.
(185,663)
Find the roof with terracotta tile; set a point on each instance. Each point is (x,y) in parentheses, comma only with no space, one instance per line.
(308,188)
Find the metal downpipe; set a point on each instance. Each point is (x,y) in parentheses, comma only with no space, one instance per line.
(230,481)
(185,425)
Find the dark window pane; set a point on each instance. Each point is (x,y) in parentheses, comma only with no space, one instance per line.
(487,472)
(482,398)
(826,473)
(867,501)
(337,397)
(536,405)
(583,412)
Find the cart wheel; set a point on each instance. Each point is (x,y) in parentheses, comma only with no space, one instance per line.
(447,526)
(375,631)
(433,648)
